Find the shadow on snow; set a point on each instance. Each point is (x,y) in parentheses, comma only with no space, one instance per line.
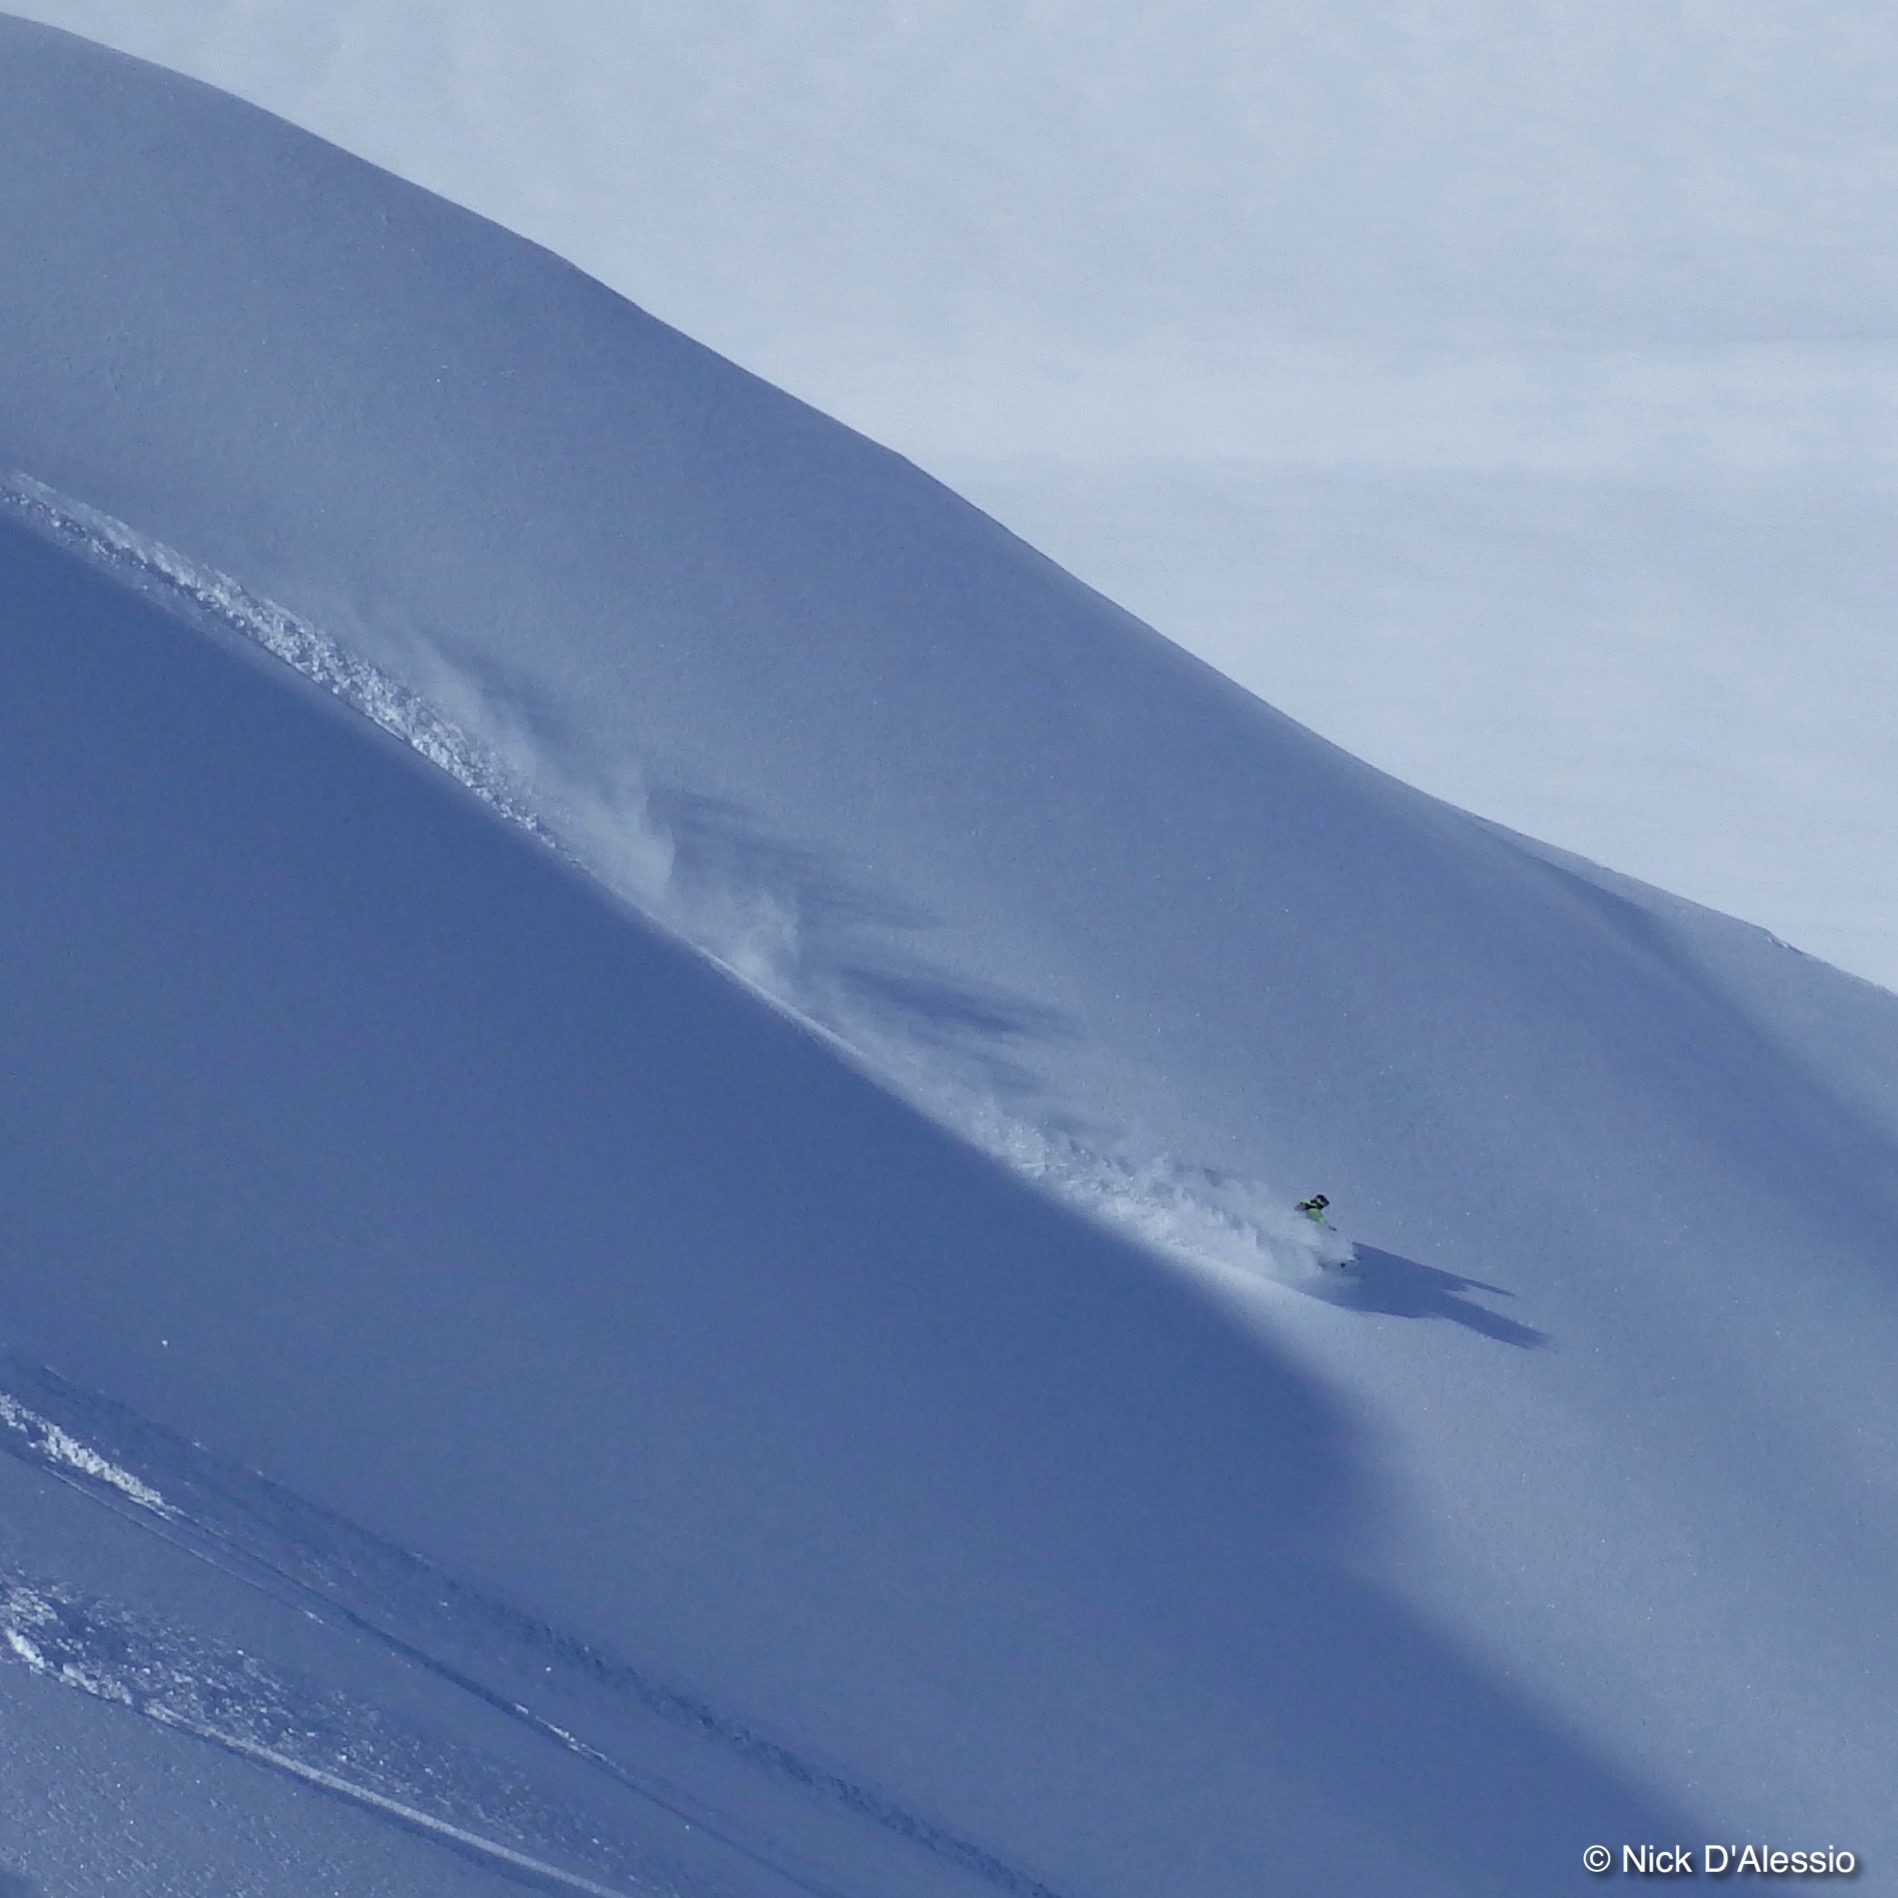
(1397,1287)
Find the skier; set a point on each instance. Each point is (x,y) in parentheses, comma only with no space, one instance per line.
(1314,1210)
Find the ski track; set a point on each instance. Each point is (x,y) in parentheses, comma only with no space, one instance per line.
(301,1555)
(754,932)
(230,1700)
(97,1650)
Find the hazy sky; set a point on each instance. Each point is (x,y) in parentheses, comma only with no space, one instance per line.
(1392,170)
(1505,389)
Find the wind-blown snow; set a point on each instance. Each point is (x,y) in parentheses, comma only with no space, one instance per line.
(438,1181)
(756,933)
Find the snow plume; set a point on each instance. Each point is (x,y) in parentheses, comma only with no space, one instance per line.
(206,595)
(794,928)
(1204,1218)
(614,830)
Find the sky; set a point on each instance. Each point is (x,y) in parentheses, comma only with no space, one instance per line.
(1506,391)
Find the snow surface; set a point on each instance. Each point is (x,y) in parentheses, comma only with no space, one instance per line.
(670,1256)
(1505,391)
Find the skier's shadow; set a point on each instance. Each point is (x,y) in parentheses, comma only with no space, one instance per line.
(1401,1288)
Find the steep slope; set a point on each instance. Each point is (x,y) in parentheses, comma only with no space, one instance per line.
(959,1491)
(347,1136)
(1505,391)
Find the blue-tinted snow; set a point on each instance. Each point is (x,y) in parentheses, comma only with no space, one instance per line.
(349,1136)
(354,1136)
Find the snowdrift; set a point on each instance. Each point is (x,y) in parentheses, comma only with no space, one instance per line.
(592,1173)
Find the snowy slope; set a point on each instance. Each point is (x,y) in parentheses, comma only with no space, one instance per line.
(1505,391)
(351,1139)
(356,1137)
